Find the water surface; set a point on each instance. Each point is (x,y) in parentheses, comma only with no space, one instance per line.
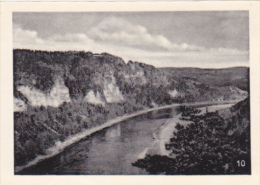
(109,151)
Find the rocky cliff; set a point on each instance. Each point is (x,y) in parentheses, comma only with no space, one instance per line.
(44,78)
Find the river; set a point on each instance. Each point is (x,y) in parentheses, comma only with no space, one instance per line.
(108,151)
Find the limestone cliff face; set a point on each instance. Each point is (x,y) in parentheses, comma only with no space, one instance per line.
(134,74)
(107,92)
(111,90)
(57,95)
(19,105)
(173,93)
(93,98)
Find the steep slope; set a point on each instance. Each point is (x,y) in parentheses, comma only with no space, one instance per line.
(42,76)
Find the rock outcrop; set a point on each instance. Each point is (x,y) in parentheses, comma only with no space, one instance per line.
(57,95)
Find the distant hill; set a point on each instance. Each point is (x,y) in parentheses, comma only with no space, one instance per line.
(236,76)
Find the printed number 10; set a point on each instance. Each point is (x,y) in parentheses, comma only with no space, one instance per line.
(241,163)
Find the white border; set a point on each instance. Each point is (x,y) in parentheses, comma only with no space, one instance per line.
(7,167)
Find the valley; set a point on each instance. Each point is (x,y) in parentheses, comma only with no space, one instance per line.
(60,96)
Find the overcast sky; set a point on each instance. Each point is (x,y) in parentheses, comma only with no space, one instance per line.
(163,39)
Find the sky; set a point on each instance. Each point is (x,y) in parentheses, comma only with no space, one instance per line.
(209,39)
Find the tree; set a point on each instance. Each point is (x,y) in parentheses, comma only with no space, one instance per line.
(204,147)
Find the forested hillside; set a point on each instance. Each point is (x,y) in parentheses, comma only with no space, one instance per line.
(109,79)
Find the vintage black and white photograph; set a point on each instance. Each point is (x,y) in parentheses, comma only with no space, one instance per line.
(131,93)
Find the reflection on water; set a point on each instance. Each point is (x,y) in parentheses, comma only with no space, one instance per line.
(114,132)
(110,151)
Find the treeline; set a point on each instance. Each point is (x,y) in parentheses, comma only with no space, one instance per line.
(211,144)
(39,128)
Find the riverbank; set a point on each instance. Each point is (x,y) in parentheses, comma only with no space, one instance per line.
(162,136)
(166,132)
(60,146)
